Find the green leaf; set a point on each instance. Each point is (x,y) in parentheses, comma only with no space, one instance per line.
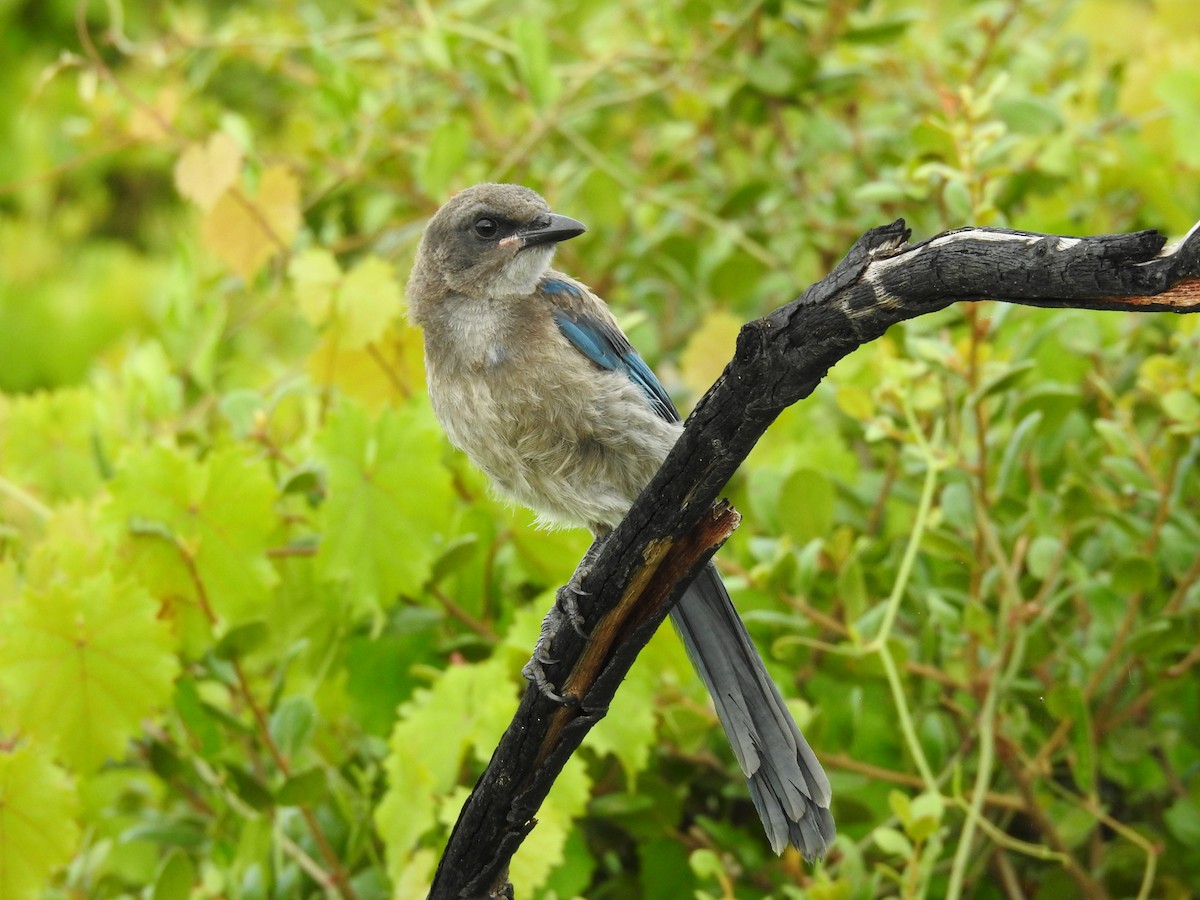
(856,402)
(1134,574)
(83,663)
(1183,821)
(881,32)
(242,409)
(1004,380)
(806,506)
(1030,114)
(302,788)
(1179,89)
(175,877)
(900,806)
(292,724)
(48,443)
(168,832)
(194,715)
(1183,406)
(882,191)
(445,155)
(249,787)
(664,868)
(922,829)
(928,805)
(386,518)
(37,828)
(1066,700)
(628,730)
(533,60)
(220,512)
(957,197)
(706,864)
(892,842)
(544,847)
(241,640)
(461,716)
(1043,551)
(852,588)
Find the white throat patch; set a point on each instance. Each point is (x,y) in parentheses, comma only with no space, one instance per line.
(520,275)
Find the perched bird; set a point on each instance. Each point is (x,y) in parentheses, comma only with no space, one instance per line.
(531,376)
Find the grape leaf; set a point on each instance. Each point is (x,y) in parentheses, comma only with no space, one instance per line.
(83,663)
(244,229)
(368,301)
(464,712)
(389,499)
(37,828)
(543,848)
(356,306)
(205,171)
(48,443)
(628,731)
(315,276)
(215,515)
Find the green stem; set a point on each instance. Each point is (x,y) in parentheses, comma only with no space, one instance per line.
(983,777)
(26,499)
(933,465)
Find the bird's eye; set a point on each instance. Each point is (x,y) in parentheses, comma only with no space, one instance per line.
(486,228)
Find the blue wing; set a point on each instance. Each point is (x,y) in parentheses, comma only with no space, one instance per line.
(603,343)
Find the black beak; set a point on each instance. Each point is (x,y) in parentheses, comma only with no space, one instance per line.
(550,230)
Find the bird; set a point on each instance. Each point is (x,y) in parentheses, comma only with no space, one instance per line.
(531,376)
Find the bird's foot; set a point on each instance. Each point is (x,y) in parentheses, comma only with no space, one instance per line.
(566,607)
(566,601)
(535,669)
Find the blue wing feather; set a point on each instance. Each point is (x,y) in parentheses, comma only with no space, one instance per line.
(604,344)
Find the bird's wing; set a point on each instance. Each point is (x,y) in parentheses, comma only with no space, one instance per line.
(598,338)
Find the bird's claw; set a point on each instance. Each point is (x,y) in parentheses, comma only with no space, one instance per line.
(566,606)
(566,601)
(535,669)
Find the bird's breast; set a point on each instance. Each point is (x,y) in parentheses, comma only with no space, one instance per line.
(554,433)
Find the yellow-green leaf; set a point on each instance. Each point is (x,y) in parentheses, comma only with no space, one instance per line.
(315,276)
(461,716)
(444,157)
(83,663)
(543,849)
(47,443)
(37,826)
(385,521)
(709,349)
(214,516)
(628,731)
(245,229)
(368,301)
(205,171)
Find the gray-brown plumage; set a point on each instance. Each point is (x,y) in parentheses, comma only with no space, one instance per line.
(531,376)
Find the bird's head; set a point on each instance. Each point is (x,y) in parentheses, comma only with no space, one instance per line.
(493,240)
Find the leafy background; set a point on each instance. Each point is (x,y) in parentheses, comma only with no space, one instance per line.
(260,627)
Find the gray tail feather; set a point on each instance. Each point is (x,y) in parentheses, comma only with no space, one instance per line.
(788,786)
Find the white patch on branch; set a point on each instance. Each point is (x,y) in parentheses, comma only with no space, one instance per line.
(872,277)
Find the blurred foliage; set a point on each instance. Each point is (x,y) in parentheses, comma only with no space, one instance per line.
(260,627)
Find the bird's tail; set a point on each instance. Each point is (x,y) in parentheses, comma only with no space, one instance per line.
(789,788)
